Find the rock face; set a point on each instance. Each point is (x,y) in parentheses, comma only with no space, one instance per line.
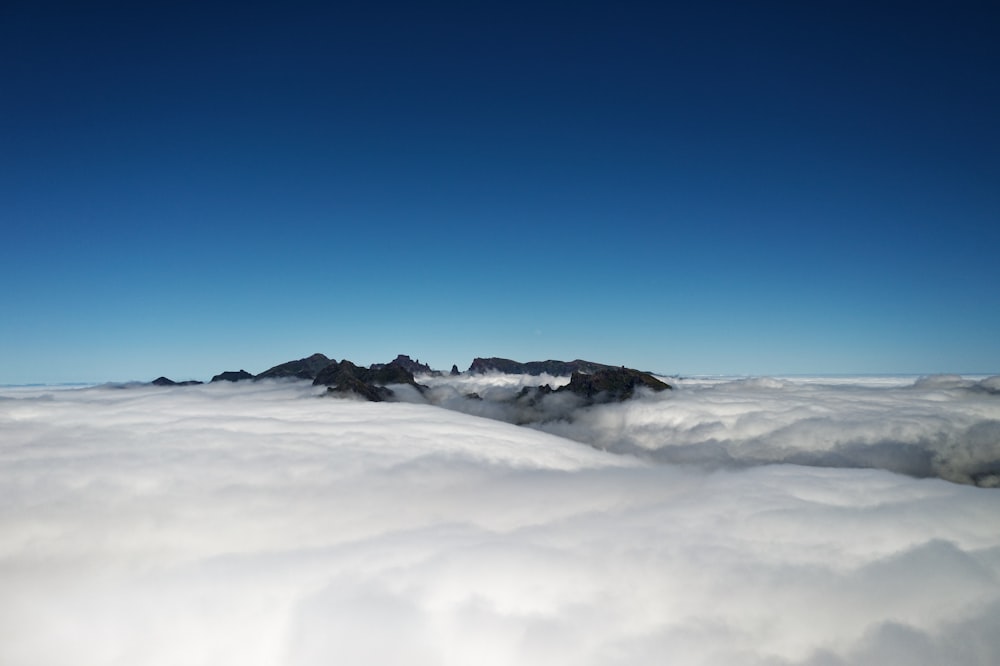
(232,376)
(607,385)
(594,382)
(534,368)
(304,368)
(612,384)
(343,379)
(369,383)
(454,371)
(532,395)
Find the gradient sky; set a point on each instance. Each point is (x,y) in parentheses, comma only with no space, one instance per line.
(711,187)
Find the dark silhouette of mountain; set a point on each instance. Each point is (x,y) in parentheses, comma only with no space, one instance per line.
(612,384)
(304,368)
(603,386)
(163,381)
(369,383)
(232,376)
(534,368)
(414,367)
(592,382)
(532,395)
(454,371)
(342,378)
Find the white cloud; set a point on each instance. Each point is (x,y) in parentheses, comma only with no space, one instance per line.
(940,426)
(260,524)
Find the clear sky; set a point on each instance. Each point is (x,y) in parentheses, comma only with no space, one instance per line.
(712,187)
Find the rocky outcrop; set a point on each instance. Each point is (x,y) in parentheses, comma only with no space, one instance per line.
(390,374)
(163,381)
(232,376)
(612,384)
(481,366)
(543,404)
(411,366)
(336,373)
(303,368)
(347,383)
(605,385)
(369,383)
(534,368)
(454,371)
(532,395)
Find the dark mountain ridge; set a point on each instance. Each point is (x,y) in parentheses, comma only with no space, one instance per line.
(303,368)
(592,382)
(369,383)
(534,368)
(413,366)
(231,376)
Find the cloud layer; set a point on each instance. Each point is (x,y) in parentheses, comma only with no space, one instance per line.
(944,426)
(261,524)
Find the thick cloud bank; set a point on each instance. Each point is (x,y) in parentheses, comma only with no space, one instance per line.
(257,524)
(942,426)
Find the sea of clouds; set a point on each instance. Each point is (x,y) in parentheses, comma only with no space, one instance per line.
(260,523)
(944,426)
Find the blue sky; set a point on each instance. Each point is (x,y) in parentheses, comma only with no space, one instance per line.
(187,188)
